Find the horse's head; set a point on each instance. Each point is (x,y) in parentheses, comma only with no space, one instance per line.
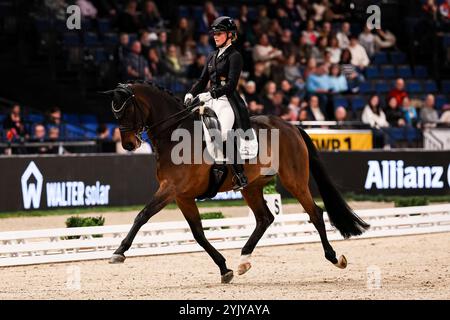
(130,114)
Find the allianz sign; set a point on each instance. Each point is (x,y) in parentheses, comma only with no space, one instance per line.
(60,193)
(392,174)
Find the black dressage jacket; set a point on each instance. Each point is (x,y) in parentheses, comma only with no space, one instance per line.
(224,73)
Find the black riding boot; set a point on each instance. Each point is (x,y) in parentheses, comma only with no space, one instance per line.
(240,179)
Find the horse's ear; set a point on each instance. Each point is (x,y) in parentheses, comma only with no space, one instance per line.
(109,93)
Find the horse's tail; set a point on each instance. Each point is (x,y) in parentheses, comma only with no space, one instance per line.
(341,215)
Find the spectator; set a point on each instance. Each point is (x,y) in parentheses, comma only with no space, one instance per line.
(294,106)
(264,52)
(444,10)
(136,65)
(294,15)
(263,19)
(327,30)
(250,92)
(255,109)
(87,9)
(286,44)
(151,18)
(14,126)
(269,91)
(367,41)
(259,77)
(373,114)
(161,44)
(310,35)
(343,36)
(195,70)
(288,90)
(122,50)
(106,8)
(334,50)
(275,31)
(54,119)
(428,113)
(129,19)
(209,15)
(337,81)
(314,111)
(278,104)
(172,61)
(103,132)
(359,54)
(203,45)
(53,133)
(181,32)
(410,113)
(399,91)
(304,51)
(340,114)
(318,51)
(187,53)
(283,19)
(384,39)
(155,65)
(320,8)
(340,10)
(292,72)
(445,117)
(145,43)
(350,71)
(394,115)
(311,67)
(318,82)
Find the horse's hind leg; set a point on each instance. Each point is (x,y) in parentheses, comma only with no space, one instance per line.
(190,212)
(299,188)
(253,195)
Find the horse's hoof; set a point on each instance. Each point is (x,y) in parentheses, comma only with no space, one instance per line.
(227,277)
(117,258)
(244,267)
(342,262)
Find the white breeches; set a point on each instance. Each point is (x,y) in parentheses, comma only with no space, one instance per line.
(222,108)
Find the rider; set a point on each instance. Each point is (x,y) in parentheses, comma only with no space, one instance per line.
(223,68)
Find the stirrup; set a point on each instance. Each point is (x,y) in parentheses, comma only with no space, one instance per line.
(240,181)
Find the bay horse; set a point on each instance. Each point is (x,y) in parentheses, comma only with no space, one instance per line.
(143,106)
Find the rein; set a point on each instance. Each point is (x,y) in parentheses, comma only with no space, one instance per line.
(185,113)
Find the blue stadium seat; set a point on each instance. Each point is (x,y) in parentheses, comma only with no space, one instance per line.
(88,119)
(340,101)
(398,57)
(90,39)
(404,72)
(91,130)
(388,72)
(71,118)
(35,118)
(366,87)
(358,102)
(430,86)
(446,40)
(382,87)
(74,131)
(252,13)
(183,12)
(71,39)
(104,25)
(440,101)
(233,12)
(372,72)
(42,24)
(446,86)
(220,11)
(380,58)
(420,72)
(197,12)
(100,56)
(132,37)
(414,87)
(86,24)
(110,39)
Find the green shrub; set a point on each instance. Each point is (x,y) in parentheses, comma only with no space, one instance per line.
(411,202)
(270,188)
(77,222)
(211,215)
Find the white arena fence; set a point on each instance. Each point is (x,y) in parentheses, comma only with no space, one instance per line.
(59,245)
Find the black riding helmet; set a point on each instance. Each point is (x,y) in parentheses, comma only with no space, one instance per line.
(224,24)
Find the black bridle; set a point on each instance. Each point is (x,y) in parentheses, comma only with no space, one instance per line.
(119,112)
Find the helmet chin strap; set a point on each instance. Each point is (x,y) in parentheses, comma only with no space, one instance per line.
(225,42)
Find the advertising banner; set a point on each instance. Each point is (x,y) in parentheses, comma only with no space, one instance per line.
(344,140)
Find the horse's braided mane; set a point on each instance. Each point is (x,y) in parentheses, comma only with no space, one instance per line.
(169,94)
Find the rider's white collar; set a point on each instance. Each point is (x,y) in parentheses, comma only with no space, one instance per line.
(221,50)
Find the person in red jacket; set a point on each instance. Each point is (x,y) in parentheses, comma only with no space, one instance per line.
(399,92)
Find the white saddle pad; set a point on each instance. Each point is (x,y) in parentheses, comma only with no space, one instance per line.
(248,149)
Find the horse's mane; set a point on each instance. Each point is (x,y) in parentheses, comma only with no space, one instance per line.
(160,89)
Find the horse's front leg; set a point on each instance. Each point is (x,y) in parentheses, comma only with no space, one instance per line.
(162,197)
(192,215)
